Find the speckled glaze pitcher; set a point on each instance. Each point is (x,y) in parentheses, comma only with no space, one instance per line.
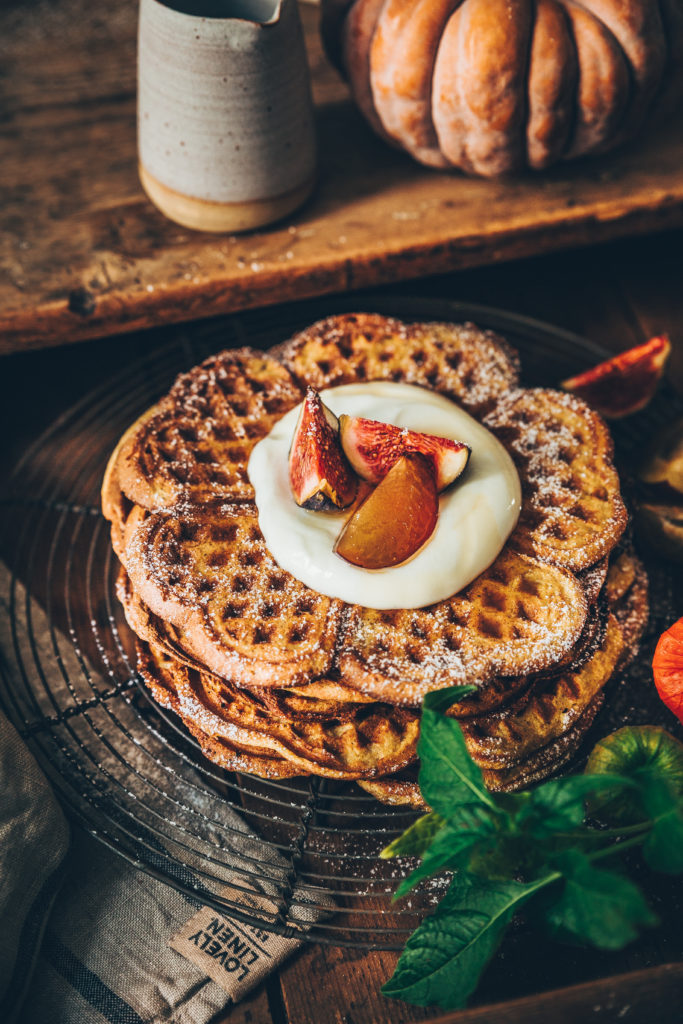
(225,119)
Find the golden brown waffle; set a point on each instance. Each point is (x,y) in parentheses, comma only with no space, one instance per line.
(263,669)
(547,710)
(572,512)
(377,740)
(116,507)
(399,790)
(194,445)
(320,700)
(519,616)
(403,789)
(627,591)
(225,755)
(545,761)
(472,366)
(208,572)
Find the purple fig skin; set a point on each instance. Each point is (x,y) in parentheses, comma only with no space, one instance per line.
(320,476)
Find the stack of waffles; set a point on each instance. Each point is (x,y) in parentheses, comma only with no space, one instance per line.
(275,679)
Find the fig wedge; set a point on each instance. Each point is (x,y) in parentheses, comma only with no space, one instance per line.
(395,519)
(319,474)
(626,383)
(373,448)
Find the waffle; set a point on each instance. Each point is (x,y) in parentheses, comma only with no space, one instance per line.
(403,789)
(627,591)
(265,671)
(207,571)
(572,512)
(473,367)
(318,701)
(210,574)
(518,617)
(377,740)
(194,445)
(546,711)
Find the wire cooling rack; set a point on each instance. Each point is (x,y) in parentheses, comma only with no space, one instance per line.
(126,769)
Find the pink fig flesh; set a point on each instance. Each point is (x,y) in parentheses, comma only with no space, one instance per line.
(373,448)
(319,474)
(625,383)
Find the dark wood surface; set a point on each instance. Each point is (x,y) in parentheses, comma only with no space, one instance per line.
(617,295)
(83,254)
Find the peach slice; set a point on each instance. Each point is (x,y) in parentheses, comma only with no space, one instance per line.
(319,475)
(626,383)
(395,519)
(373,448)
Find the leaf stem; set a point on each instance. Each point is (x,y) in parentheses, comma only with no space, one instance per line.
(606,833)
(616,848)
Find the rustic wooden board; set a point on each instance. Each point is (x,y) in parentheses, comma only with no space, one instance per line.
(84,254)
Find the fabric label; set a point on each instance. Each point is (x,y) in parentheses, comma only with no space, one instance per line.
(236,956)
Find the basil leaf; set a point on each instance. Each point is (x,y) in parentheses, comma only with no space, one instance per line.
(416,838)
(448,775)
(444,957)
(596,906)
(450,849)
(560,804)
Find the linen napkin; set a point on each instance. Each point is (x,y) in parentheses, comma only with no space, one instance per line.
(116,944)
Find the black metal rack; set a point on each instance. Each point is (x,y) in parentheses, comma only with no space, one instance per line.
(126,769)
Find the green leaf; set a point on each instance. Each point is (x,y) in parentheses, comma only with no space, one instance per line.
(450,849)
(560,804)
(416,838)
(648,755)
(444,957)
(663,848)
(596,906)
(448,775)
(441,700)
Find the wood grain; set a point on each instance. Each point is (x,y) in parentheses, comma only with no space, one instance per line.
(84,254)
(650,995)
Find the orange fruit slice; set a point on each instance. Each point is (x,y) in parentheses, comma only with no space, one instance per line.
(395,519)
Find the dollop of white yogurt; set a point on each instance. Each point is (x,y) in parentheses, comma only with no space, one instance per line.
(477,513)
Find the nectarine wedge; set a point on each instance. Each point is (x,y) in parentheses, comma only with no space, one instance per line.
(395,519)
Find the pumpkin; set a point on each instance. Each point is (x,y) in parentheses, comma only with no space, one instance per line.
(496,86)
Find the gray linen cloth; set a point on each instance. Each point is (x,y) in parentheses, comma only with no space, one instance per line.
(98,950)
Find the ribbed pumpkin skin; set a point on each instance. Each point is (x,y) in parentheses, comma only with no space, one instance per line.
(497,86)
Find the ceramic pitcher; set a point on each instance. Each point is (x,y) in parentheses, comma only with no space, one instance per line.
(225,119)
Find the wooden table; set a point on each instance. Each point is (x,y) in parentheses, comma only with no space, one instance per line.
(617,295)
(84,254)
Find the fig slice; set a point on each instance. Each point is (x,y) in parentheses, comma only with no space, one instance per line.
(373,448)
(626,383)
(396,518)
(319,474)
